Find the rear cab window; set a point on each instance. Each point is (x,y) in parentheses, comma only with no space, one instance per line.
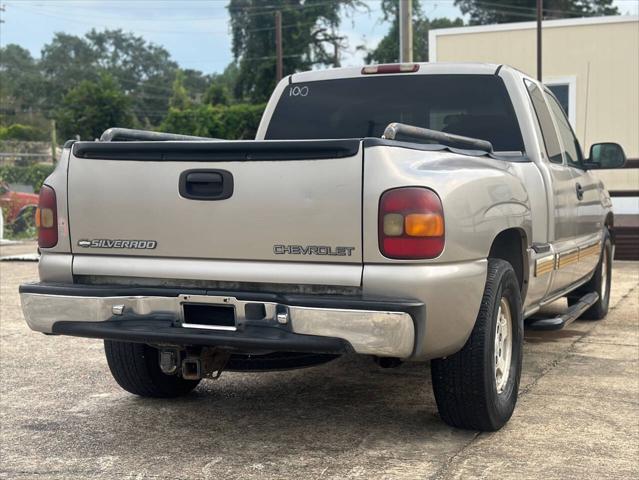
(475,106)
(548,132)
(572,150)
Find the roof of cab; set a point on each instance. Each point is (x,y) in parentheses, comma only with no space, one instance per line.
(424,69)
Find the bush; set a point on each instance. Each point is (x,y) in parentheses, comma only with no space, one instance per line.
(91,107)
(33,175)
(233,122)
(18,131)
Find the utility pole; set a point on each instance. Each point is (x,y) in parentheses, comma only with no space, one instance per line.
(405,31)
(54,143)
(279,66)
(540,9)
(336,62)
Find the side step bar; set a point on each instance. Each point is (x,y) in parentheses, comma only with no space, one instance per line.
(573,313)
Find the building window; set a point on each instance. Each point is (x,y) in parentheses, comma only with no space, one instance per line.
(565,89)
(561,92)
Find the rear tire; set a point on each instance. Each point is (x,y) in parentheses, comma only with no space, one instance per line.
(136,368)
(469,390)
(600,283)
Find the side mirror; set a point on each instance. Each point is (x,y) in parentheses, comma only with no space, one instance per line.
(605,155)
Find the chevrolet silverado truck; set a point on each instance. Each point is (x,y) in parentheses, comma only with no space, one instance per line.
(407,212)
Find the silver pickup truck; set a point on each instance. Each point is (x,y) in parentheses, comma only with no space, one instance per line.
(407,212)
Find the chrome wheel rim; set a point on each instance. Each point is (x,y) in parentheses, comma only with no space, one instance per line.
(503,345)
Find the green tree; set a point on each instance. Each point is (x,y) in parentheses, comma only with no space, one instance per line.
(387,50)
(93,106)
(233,122)
(309,37)
(217,94)
(20,132)
(486,12)
(145,71)
(196,83)
(65,62)
(20,80)
(228,78)
(180,97)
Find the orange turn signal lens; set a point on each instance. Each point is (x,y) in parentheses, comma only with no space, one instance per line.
(37,218)
(424,225)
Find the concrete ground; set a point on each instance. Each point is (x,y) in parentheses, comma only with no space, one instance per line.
(14,248)
(63,417)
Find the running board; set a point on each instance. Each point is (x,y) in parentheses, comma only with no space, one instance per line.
(573,313)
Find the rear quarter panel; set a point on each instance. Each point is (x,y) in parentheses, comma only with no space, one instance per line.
(56,262)
(481,197)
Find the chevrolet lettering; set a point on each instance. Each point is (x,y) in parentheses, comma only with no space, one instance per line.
(312,250)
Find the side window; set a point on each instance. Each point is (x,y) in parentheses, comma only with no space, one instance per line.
(553,148)
(561,91)
(571,145)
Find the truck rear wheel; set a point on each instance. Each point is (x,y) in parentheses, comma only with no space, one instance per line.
(477,387)
(136,368)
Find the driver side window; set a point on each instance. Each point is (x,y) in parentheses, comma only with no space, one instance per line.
(571,148)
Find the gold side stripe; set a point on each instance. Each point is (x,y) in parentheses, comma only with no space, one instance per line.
(568,258)
(567,261)
(548,264)
(588,251)
(544,266)
(541,272)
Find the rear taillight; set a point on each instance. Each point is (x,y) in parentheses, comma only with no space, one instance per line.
(47,218)
(411,223)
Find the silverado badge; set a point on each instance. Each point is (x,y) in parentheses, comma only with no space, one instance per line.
(108,243)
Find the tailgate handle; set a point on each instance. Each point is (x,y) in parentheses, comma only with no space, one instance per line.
(206,184)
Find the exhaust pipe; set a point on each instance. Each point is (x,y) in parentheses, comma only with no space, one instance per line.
(169,361)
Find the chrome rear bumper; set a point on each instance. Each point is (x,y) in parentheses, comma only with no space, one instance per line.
(369,327)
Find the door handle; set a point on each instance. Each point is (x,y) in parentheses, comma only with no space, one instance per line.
(206,184)
(580,191)
(212,178)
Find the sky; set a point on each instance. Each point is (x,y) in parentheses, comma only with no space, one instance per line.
(195,32)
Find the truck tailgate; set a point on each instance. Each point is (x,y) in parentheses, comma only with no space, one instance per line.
(290,201)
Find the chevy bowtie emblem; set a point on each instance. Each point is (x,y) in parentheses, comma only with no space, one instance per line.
(108,243)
